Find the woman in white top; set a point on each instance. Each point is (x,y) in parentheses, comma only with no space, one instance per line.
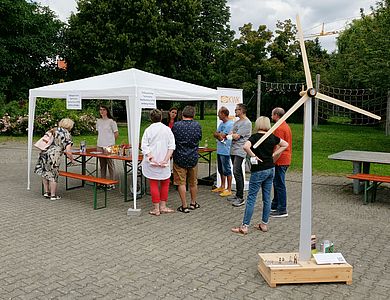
(107,134)
(157,147)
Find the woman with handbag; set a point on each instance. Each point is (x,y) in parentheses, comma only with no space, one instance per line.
(49,160)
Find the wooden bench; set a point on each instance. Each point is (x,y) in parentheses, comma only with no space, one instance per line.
(95,180)
(371,182)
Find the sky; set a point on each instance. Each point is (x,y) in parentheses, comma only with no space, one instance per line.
(336,14)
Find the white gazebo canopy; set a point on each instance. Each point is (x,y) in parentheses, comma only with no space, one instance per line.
(123,85)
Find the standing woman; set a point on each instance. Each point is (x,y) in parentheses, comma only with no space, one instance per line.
(157,147)
(172,117)
(50,159)
(262,173)
(107,134)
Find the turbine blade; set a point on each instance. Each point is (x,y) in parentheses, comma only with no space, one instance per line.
(346,105)
(309,82)
(282,119)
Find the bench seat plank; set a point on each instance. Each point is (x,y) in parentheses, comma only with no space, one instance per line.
(96,180)
(371,182)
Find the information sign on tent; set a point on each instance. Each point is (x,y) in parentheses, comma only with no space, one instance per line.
(73,101)
(147,99)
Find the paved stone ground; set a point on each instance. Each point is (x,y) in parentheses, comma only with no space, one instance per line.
(66,250)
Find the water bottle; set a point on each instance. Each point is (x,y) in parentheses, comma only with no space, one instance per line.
(83,147)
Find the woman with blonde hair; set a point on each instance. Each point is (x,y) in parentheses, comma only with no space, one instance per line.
(49,160)
(262,173)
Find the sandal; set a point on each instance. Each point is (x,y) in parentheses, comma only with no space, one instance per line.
(154,212)
(194,206)
(166,210)
(262,227)
(242,229)
(183,209)
(46,195)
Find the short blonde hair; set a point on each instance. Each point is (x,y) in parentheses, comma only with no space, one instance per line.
(262,123)
(66,123)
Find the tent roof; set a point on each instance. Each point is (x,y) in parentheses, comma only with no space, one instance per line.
(122,84)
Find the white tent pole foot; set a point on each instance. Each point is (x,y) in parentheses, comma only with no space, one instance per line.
(134,212)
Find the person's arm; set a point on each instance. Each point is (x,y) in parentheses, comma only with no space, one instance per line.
(280,148)
(116,135)
(68,153)
(248,150)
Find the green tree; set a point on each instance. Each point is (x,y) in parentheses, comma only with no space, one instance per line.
(363,54)
(30,40)
(177,38)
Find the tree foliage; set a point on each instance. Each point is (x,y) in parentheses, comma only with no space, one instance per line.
(363,54)
(30,39)
(177,38)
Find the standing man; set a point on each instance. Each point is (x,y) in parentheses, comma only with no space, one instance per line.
(223,152)
(188,134)
(282,162)
(241,132)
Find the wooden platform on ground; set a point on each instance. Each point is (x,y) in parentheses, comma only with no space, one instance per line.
(301,272)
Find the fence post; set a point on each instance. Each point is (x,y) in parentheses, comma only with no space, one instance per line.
(258,96)
(387,124)
(316,102)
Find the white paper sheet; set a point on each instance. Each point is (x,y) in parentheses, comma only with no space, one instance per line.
(329,258)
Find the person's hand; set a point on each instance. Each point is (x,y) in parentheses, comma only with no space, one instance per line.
(163,163)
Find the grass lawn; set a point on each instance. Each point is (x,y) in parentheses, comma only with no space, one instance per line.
(328,139)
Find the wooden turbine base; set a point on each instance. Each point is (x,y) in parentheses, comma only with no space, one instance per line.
(279,268)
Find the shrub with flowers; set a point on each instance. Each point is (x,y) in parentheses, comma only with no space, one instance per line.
(14,119)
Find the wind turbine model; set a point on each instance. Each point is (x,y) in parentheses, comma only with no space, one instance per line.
(307,96)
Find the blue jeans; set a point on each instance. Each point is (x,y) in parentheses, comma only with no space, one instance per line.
(280,192)
(264,180)
(224,165)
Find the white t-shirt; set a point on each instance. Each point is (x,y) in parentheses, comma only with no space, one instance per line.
(106,129)
(157,140)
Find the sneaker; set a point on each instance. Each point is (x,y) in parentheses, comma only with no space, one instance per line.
(55,197)
(225,193)
(276,214)
(110,187)
(46,195)
(233,198)
(218,190)
(238,202)
(273,209)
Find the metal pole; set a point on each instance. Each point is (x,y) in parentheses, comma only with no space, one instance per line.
(258,95)
(316,102)
(387,125)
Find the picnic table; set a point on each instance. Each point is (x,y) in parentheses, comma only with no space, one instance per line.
(361,161)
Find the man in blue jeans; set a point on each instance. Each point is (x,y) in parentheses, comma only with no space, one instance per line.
(282,162)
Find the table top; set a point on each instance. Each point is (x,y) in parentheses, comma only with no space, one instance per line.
(94,153)
(362,156)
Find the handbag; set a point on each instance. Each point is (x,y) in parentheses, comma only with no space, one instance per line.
(44,142)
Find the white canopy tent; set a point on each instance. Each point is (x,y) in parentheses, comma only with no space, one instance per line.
(123,85)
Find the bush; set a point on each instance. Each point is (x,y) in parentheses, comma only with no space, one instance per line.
(48,113)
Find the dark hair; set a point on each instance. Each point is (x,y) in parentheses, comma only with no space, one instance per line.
(155,115)
(177,114)
(188,112)
(243,107)
(108,111)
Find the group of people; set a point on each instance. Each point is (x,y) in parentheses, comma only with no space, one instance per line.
(170,140)
(178,140)
(268,163)
(49,160)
